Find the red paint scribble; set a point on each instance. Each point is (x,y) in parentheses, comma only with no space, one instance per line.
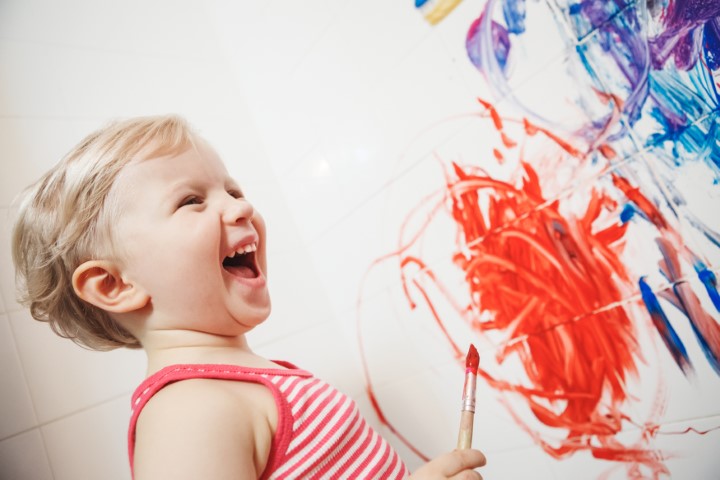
(552,286)
(507,141)
(655,429)
(544,277)
(498,155)
(532,129)
(607,151)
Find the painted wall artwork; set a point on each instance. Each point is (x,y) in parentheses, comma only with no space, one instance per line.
(571,233)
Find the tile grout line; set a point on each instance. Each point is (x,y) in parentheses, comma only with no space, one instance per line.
(39,425)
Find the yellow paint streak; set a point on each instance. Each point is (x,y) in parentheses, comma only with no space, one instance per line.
(440,10)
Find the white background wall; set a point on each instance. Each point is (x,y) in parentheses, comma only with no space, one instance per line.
(320,109)
(67,68)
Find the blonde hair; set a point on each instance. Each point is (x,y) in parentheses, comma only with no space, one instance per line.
(66,218)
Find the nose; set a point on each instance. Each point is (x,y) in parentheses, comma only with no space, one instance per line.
(236,210)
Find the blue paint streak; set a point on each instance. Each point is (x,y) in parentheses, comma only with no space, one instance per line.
(630,210)
(679,98)
(662,325)
(514,14)
(681,294)
(627,213)
(630,55)
(711,43)
(712,359)
(677,103)
(420,3)
(675,98)
(709,280)
(710,234)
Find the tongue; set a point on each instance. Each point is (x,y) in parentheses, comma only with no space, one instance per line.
(241,271)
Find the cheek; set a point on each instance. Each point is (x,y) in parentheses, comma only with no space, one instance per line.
(259,224)
(172,257)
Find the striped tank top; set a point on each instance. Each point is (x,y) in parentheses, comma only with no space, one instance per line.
(320,433)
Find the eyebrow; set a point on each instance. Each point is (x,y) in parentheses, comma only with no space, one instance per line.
(231,183)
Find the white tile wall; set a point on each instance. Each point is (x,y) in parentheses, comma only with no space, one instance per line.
(25,158)
(7,274)
(15,401)
(23,457)
(58,388)
(332,115)
(163,28)
(290,281)
(3,309)
(100,430)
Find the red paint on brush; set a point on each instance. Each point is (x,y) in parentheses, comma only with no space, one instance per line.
(472,360)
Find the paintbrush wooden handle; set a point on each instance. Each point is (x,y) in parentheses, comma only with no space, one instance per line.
(466,429)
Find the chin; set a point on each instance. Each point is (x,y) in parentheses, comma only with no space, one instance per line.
(252,319)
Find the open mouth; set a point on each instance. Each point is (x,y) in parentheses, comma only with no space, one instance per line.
(242,262)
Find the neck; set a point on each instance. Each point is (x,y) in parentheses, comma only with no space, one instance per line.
(169,347)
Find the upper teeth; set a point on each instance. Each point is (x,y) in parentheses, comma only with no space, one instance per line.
(243,250)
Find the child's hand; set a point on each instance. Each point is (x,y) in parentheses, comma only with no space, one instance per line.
(457,465)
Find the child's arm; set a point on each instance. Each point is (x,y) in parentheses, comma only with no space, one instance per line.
(458,465)
(205,429)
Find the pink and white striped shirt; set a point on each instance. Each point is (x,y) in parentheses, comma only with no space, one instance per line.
(320,433)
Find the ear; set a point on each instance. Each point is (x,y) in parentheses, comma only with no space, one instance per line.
(100,283)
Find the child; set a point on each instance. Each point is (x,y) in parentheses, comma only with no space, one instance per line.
(138,238)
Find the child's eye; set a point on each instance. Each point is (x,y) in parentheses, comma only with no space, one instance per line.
(235,193)
(192,200)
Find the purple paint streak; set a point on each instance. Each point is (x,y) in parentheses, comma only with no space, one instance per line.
(684,22)
(476,46)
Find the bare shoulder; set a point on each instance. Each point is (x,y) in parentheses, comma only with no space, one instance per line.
(203,428)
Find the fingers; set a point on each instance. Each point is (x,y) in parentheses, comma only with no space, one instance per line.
(467,475)
(459,460)
(456,465)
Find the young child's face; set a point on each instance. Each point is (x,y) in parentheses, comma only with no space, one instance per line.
(181,217)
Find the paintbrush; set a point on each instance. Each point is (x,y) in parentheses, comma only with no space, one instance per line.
(467,414)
